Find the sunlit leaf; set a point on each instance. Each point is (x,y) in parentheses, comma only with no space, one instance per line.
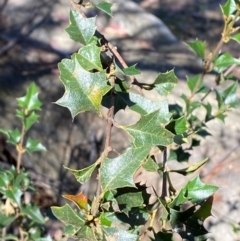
(131,70)
(229,8)
(198,47)
(81,29)
(34,145)
(224,61)
(105,7)
(83,90)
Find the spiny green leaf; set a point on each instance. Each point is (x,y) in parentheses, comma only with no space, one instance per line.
(68,216)
(105,7)
(224,61)
(28,120)
(14,194)
(148,131)
(69,230)
(34,145)
(30,101)
(229,8)
(117,234)
(228,97)
(34,213)
(14,136)
(118,172)
(198,47)
(84,174)
(80,200)
(191,169)
(145,106)
(131,70)
(6,220)
(192,82)
(81,29)
(83,90)
(179,125)
(195,191)
(236,37)
(89,57)
(165,82)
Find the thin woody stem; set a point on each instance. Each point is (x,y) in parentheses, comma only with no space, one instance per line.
(20,149)
(164,183)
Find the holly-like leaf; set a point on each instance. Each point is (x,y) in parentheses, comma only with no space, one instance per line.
(145,106)
(29,120)
(198,47)
(105,7)
(33,145)
(118,172)
(195,191)
(178,126)
(83,90)
(148,131)
(165,82)
(89,57)
(192,82)
(14,194)
(229,8)
(224,61)
(30,101)
(117,234)
(131,70)
(227,97)
(87,233)
(81,29)
(84,174)
(80,200)
(34,213)
(68,216)
(191,169)
(14,136)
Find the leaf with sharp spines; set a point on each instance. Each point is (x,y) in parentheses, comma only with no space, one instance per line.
(34,213)
(33,145)
(165,82)
(192,82)
(118,172)
(83,90)
(84,174)
(229,8)
(105,7)
(148,131)
(224,61)
(68,216)
(198,47)
(30,101)
(81,29)
(13,136)
(131,70)
(80,199)
(89,57)
(145,106)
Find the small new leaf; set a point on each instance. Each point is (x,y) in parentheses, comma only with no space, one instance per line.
(30,101)
(224,61)
(105,7)
(81,29)
(236,37)
(33,145)
(198,47)
(229,8)
(80,200)
(131,70)
(165,82)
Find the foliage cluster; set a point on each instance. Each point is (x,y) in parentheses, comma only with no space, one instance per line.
(97,79)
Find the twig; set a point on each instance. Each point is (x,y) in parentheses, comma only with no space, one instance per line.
(164,183)
(20,149)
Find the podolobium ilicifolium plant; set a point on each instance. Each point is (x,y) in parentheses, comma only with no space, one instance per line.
(120,209)
(20,219)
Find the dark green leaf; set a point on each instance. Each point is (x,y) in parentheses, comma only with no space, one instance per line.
(229,8)
(161,236)
(6,220)
(180,125)
(198,47)
(104,220)
(89,57)
(14,194)
(224,61)
(148,131)
(68,216)
(105,7)
(165,82)
(84,174)
(81,29)
(30,101)
(83,90)
(14,136)
(30,120)
(192,82)
(118,172)
(87,233)
(33,213)
(33,145)
(131,70)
